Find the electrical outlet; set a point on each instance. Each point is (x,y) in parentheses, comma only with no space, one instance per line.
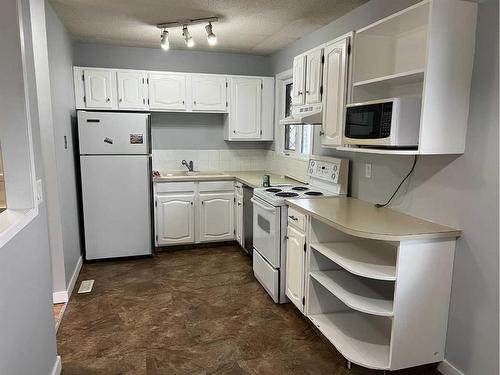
(368,170)
(39,191)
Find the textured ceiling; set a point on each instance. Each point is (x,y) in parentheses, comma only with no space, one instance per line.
(257,27)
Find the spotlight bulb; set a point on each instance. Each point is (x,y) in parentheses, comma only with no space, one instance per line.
(211,38)
(165,45)
(187,37)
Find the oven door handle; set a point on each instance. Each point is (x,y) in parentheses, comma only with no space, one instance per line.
(256,202)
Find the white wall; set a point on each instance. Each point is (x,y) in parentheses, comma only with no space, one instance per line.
(60,56)
(27,335)
(460,191)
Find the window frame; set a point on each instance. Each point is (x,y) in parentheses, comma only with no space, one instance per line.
(282,79)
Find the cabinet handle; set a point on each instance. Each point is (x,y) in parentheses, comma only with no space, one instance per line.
(321,133)
(307,91)
(183,102)
(293,218)
(107,100)
(194,102)
(299,93)
(286,238)
(234,131)
(202,202)
(121,100)
(239,204)
(191,203)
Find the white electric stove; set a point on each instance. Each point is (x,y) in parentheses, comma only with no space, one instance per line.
(326,179)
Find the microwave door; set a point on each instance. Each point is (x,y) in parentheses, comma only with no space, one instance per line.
(363,122)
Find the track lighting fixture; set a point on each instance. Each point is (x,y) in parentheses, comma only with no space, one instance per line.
(211,38)
(165,45)
(187,37)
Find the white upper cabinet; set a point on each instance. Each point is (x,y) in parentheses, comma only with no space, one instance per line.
(216,216)
(245,108)
(209,93)
(132,90)
(167,91)
(299,80)
(100,89)
(335,92)
(314,68)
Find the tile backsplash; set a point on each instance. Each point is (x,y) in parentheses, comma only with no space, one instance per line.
(230,160)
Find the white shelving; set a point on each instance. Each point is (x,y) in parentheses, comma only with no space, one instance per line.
(365,259)
(403,78)
(360,338)
(368,296)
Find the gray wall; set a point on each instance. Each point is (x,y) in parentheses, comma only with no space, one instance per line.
(27,344)
(460,191)
(193,131)
(64,124)
(179,131)
(118,57)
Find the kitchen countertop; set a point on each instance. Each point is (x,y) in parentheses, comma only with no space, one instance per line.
(362,219)
(249,178)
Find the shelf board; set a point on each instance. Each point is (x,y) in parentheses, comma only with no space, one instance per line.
(381,151)
(368,296)
(361,339)
(365,259)
(403,78)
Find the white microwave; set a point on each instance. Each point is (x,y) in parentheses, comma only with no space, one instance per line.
(393,122)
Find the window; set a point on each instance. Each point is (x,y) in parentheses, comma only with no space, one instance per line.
(292,140)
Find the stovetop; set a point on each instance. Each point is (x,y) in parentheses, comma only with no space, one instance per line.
(276,195)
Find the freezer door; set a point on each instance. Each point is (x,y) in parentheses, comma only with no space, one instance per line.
(116,206)
(108,133)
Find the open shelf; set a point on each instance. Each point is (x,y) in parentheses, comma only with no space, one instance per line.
(363,258)
(404,78)
(360,338)
(382,151)
(368,296)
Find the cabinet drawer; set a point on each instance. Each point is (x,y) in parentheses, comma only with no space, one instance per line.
(296,219)
(216,186)
(172,187)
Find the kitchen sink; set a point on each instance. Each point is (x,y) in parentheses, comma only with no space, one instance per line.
(194,173)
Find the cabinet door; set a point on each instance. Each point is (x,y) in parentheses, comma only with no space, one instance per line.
(99,88)
(175,219)
(209,93)
(131,90)
(335,93)
(167,91)
(295,260)
(246,112)
(299,77)
(314,70)
(238,220)
(216,214)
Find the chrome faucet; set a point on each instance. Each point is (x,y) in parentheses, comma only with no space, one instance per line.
(189,165)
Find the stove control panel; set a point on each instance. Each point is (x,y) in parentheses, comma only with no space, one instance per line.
(324,170)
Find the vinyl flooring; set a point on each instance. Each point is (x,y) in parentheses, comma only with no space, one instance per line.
(197,311)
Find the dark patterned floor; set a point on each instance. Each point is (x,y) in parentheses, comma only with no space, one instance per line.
(189,312)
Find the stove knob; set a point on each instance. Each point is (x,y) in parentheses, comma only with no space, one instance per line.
(335,168)
(334,176)
(311,170)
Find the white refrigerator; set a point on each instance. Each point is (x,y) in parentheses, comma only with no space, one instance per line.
(115,163)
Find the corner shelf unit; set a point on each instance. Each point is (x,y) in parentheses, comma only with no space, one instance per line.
(382,304)
(412,53)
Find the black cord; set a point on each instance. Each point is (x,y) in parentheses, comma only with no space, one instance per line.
(379,205)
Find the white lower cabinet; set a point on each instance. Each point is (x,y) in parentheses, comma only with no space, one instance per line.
(295,262)
(175,219)
(193,212)
(216,216)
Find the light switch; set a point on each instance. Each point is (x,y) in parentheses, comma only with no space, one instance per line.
(39,191)
(368,170)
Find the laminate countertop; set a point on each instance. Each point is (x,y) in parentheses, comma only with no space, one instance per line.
(362,219)
(249,178)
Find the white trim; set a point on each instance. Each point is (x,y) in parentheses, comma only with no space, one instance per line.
(60,297)
(56,370)
(446,368)
(74,277)
(63,296)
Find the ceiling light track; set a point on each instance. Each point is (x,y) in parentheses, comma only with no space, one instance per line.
(211,38)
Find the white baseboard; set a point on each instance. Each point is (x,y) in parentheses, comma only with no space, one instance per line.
(63,296)
(446,368)
(56,370)
(74,277)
